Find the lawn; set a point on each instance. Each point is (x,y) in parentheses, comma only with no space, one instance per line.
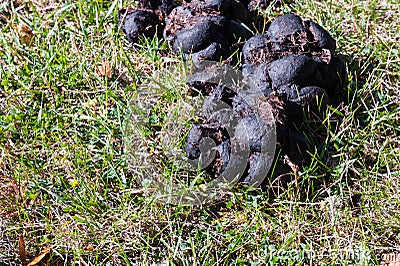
(73,168)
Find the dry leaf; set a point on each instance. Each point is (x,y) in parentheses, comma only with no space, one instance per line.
(25,34)
(37,259)
(295,169)
(105,70)
(14,186)
(18,3)
(10,213)
(293,166)
(22,251)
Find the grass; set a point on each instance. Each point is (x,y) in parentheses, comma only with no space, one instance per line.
(71,174)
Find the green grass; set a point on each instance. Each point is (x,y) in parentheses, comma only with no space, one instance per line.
(71,174)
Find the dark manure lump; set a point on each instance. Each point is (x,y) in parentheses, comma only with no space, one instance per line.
(292,70)
(204,29)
